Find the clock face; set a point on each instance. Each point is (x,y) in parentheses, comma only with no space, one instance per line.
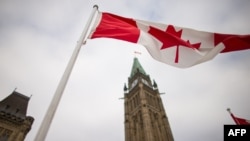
(134,83)
(145,82)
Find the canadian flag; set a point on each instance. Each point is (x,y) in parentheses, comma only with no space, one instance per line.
(176,46)
(240,121)
(237,120)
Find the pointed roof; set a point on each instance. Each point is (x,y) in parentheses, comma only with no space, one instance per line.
(136,67)
(15,104)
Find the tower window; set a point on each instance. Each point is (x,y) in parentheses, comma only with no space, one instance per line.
(7,107)
(5,135)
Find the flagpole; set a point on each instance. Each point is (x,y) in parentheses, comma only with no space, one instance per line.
(229,110)
(45,125)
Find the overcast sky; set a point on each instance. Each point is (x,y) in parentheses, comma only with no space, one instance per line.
(38,37)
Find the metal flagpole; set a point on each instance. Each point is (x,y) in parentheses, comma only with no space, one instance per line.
(44,127)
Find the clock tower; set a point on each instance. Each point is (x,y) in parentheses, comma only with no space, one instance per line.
(145,117)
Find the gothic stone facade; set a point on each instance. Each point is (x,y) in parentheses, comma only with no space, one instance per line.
(145,117)
(14,124)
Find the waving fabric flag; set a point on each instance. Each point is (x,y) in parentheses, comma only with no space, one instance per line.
(176,46)
(240,121)
(237,120)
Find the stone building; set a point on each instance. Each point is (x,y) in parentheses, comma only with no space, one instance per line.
(145,117)
(14,124)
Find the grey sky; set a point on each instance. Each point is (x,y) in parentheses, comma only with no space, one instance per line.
(37,39)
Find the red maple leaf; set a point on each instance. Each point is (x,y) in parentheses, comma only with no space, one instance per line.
(172,38)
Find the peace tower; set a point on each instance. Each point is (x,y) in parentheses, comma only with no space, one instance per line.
(145,117)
